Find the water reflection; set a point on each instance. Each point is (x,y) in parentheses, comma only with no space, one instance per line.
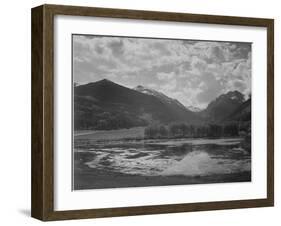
(190,157)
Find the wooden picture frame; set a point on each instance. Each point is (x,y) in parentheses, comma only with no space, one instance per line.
(42,203)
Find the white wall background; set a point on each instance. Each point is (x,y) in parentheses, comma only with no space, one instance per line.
(15,112)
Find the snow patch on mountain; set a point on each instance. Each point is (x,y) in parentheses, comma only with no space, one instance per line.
(159,95)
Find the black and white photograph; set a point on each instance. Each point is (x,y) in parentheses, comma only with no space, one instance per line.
(160,112)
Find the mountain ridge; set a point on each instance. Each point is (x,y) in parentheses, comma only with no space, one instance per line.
(158,94)
(105,105)
(218,109)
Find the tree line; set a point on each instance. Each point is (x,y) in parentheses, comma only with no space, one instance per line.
(179,130)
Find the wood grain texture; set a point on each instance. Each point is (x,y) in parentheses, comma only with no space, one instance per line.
(43,108)
(270,111)
(42,113)
(37,158)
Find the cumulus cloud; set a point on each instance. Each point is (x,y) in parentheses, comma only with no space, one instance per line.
(165,76)
(194,72)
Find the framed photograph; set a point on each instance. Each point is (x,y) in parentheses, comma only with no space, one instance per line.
(141,112)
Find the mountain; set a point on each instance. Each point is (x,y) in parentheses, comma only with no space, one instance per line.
(241,113)
(107,105)
(223,106)
(162,97)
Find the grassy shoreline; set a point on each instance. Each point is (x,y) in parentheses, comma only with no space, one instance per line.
(135,133)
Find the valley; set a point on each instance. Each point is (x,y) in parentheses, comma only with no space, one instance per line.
(140,137)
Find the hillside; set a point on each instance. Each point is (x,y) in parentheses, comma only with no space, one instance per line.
(107,105)
(242,113)
(161,96)
(223,106)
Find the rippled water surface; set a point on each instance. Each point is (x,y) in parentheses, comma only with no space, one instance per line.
(188,157)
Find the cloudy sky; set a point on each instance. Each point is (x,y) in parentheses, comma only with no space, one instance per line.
(194,72)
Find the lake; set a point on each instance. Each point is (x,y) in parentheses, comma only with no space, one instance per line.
(119,163)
